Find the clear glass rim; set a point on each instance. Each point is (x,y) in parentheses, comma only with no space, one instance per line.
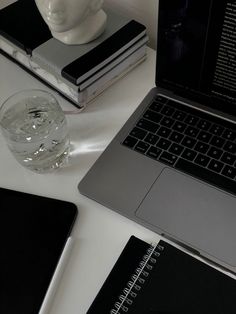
(29,90)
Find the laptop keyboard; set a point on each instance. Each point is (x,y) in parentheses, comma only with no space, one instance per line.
(188,140)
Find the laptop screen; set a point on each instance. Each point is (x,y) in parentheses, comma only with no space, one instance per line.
(196,51)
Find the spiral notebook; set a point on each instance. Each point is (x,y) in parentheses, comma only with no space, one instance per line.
(161,279)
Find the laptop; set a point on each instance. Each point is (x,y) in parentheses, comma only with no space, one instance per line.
(172,166)
(36,238)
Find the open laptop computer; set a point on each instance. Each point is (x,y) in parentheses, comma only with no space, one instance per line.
(172,166)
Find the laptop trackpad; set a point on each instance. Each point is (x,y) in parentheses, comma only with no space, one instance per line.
(192,212)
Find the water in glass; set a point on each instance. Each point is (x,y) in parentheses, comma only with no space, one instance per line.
(36,132)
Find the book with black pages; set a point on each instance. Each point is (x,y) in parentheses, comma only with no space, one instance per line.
(162,279)
(25,37)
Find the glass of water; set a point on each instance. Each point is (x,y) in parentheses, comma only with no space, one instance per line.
(35,129)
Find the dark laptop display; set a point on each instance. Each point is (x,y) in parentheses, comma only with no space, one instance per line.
(172,166)
(196,52)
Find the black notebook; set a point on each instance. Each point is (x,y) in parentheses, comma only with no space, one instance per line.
(161,279)
(35,237)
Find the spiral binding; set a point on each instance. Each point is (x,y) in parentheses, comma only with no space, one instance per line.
(137,280)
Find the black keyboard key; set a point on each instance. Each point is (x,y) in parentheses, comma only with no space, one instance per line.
(188,142)
(151,138)
(179,115)
(154,152)
(202,160)
(148,125)
(229,172)
(179,126)
(167,111)
(130,141)
(229,135)
(176,149)
(217,141)
(161,99)
(142,147)
(138,133)
(168,158)
(230,147)
(215,165)
(155,106)
(206,175)
(163,143)
(191,131)
(164,132)
(201,147)
(216,129)
(189,154)
(176,137)
(215,152)
(228,158)
(168,122)
(173,103)
(204,136)
(192,120)
(204,125)
(153,116)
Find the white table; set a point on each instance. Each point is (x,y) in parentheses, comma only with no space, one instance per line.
(100,234)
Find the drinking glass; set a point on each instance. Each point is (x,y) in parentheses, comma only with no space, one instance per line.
(35,129)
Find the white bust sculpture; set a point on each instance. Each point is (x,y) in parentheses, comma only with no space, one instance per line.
(73,21)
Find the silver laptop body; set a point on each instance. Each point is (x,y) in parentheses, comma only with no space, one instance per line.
(181,183)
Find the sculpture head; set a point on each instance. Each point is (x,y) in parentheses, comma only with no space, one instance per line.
(73,21)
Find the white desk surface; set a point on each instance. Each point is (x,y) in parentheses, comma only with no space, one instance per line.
(100,234)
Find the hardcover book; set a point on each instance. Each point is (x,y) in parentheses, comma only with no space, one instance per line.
(69,68)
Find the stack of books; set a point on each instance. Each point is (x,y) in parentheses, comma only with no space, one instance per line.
(78,72)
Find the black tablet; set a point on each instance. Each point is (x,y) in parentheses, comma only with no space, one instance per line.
(33,233)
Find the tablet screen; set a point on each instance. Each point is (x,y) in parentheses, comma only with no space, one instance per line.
(33,232)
